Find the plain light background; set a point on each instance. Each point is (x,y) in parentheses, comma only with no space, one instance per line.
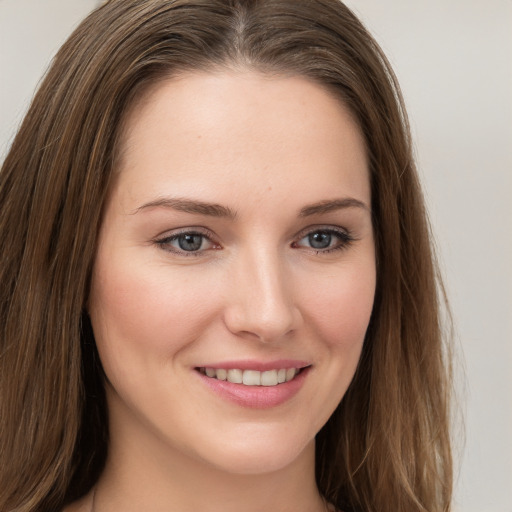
(453,59)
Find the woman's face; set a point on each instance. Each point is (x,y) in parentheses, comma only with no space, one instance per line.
(236,244)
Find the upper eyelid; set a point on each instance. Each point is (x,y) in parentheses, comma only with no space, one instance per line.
(198,230)
(322,227)
(209,234)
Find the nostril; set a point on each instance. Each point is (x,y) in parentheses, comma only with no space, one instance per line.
(249,323)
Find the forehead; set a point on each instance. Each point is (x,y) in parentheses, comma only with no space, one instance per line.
(227,127)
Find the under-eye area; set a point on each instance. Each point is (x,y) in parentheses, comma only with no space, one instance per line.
(252,377)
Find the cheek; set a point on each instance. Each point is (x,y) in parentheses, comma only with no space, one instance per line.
(140,311)
(340,310)
(338,314)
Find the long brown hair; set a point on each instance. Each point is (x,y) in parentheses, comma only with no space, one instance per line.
(386,447)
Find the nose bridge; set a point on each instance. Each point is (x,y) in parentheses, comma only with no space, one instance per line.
(262,302)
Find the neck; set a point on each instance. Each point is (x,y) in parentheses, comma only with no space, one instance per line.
(142,476)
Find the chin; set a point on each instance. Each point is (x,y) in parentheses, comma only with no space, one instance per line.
(258,454)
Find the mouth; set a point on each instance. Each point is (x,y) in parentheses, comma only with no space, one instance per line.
(255,384)
(250,377)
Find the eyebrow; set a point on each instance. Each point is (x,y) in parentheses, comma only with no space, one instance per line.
(216,210)
(189,206)
(332,205)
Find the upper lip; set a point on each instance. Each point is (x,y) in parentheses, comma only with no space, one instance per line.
(257,365)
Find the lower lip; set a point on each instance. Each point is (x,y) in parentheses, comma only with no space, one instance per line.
(256,397)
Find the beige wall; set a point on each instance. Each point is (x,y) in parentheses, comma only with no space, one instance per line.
(454,61)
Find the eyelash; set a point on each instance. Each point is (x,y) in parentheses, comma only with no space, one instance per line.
(165,243)
(345,239)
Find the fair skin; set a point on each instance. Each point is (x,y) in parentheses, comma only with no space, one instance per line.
(237,234)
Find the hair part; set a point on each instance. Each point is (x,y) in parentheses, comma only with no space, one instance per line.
(386,447)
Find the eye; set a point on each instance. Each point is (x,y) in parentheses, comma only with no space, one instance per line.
(320,240)
(325,240)
(187,243)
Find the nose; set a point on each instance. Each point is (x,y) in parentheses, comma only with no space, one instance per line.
(260,305)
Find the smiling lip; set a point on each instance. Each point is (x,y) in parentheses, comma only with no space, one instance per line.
(257,397)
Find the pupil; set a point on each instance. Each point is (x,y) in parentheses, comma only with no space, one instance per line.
(320,240)
(190,242)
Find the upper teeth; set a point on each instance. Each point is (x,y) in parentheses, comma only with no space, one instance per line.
(252,377)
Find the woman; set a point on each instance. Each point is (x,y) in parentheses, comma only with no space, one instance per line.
(218,288)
